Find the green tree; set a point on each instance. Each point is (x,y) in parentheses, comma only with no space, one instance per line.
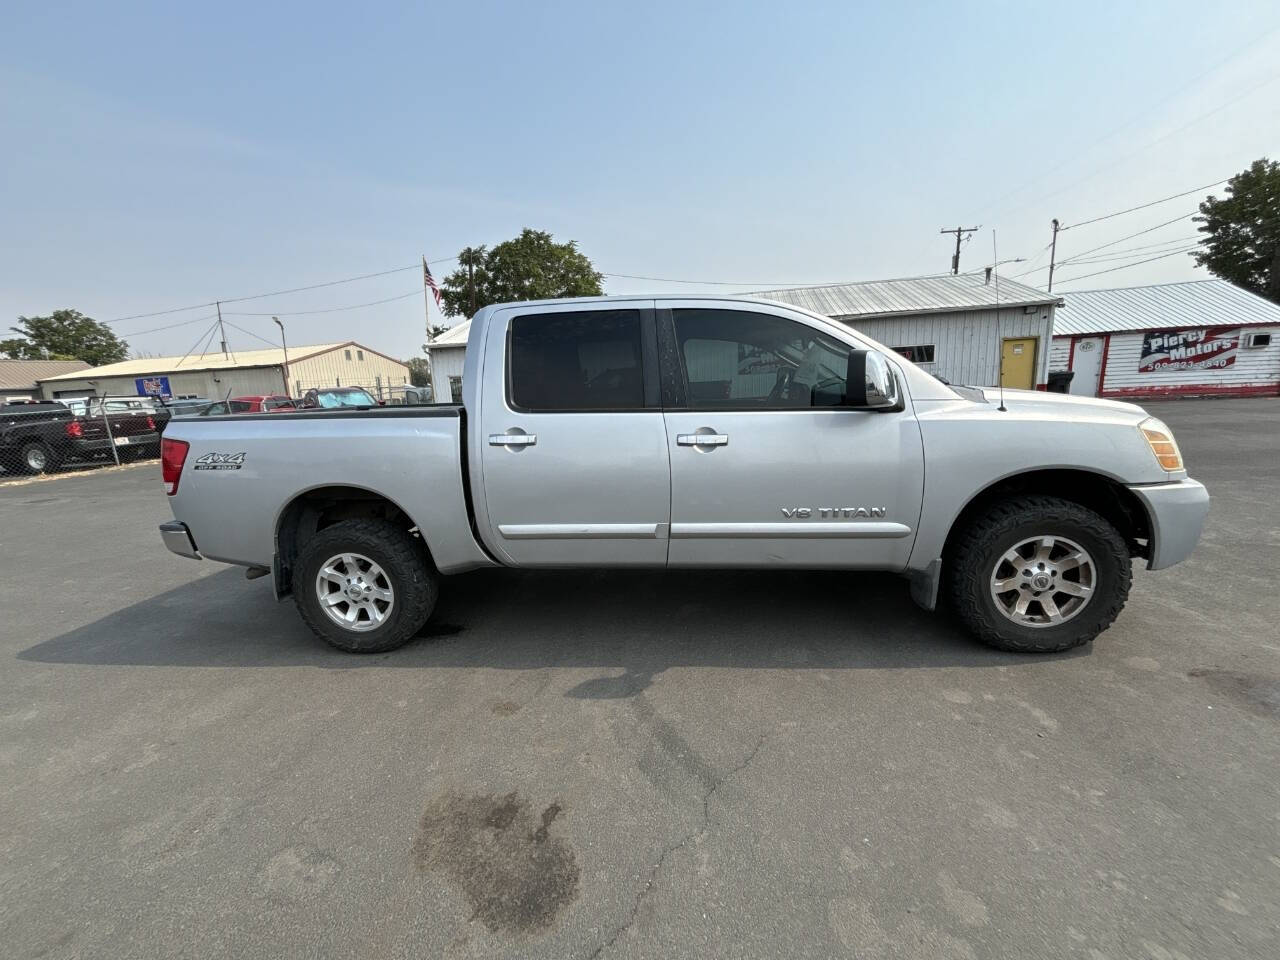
(419,371)
(1242,242)
(64,335)
(530,267)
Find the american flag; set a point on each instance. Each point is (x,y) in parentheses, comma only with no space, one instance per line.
(430,281)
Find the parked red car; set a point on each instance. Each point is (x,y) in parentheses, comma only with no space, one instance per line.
(266,403)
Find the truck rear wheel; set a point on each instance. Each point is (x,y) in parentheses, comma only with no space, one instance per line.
(364,586)
(1039,575)
(36,458)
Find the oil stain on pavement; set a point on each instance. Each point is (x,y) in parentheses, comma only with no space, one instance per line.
(516,877)
(1259,694)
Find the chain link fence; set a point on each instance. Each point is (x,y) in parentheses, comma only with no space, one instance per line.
(46,436)
(382,391)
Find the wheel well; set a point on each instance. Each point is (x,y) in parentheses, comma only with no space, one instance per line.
(310,512)
(1110,499)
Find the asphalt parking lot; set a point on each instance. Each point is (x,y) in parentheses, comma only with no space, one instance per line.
(646,764)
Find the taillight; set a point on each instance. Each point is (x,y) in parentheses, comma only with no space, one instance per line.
(173,454)
(151,423)
(75,428)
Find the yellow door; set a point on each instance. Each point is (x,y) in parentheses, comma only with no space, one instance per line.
(1018,364)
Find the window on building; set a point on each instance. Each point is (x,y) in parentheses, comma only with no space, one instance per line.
(455,388)
(922,353)
(740,359)
(347,354)
(359,354)
(576,361)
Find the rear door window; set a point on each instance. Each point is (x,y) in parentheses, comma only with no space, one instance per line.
(579,361)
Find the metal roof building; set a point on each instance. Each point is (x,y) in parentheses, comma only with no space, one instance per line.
(447,352)
(949,325)
(1198,338)
(944,293)
(21,378)
(963,328)
(242,372)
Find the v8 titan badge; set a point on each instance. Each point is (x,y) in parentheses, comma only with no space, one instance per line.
(219,461)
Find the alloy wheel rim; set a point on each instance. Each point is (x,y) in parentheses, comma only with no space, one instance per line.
(1043,581)
(354,592)
(36,459)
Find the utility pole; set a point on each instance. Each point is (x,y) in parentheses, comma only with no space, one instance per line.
(1053,253)
(284,370)
(959,232)
(222,332)
(471,283)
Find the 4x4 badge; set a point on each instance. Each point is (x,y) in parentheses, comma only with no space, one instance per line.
(219,461)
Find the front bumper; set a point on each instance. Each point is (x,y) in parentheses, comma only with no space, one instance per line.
(178,539)
(1177,511)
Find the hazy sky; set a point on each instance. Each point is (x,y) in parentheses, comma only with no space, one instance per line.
(161,155)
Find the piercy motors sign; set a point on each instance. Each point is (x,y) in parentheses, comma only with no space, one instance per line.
(1206,349)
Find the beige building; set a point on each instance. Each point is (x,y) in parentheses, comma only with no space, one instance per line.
(239,374)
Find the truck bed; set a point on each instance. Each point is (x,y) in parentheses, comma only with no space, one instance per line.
(243,471)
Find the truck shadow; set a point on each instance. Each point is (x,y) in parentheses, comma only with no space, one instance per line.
(634,625)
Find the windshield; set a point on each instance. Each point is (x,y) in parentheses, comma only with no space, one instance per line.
(329,399)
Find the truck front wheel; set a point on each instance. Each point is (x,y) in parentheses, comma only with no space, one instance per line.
(364,586)
(1039,574)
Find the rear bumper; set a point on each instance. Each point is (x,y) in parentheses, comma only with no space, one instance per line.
(178,539)
(140,440)
(1177,511)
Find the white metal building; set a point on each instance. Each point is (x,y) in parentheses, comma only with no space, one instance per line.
(948,325)
(446,352)
(242,373)
(1200,338)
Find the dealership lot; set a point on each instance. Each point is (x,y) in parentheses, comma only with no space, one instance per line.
(647,764)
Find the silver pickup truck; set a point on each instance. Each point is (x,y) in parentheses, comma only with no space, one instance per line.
(691,432)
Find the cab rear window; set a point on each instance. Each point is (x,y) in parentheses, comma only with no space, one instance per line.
(579,361)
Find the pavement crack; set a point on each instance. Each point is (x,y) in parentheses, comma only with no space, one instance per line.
(674,847)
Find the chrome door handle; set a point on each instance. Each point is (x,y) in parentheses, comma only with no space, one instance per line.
(702,439)
(512,439)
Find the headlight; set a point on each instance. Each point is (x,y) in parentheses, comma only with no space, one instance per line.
(1160,439)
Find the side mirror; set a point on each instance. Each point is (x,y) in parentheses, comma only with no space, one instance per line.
(870,382)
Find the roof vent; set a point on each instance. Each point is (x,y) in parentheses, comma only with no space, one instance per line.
(988,280)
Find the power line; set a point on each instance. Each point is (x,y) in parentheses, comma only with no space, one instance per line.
(1103,246)
(276,293)
(303,313)
(708,283)
(1112,255)
(207,335)
(329,283)
(1118,213)
(1125,266)
(172,326)
(1131,252)
(236,326)
(1144,114)
(1183,248)
(1172,133)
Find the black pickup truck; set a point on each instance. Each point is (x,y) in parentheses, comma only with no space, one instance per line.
(38,437)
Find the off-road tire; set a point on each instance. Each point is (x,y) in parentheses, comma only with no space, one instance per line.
(991,534)
(406,565)
(32,447)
